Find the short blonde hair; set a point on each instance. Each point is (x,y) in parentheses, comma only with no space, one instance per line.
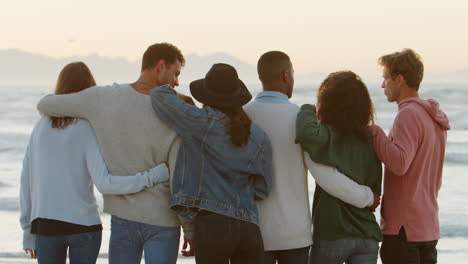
(407,63)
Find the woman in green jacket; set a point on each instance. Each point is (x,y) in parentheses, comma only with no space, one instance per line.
(335,134)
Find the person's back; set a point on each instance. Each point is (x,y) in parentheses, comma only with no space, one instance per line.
(49,181)
(223,166)
(419,185)
(279,122)
(355,158)
(413,155)
(337,135)
(227,170)
(285,219)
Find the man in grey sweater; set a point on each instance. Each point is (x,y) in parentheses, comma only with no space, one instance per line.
(132,140)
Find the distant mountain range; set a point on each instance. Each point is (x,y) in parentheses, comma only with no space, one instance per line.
(23,68)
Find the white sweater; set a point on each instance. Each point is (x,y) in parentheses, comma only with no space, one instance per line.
(285,220)
(59,169)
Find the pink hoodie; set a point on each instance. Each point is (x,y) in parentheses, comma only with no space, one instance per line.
(413,154)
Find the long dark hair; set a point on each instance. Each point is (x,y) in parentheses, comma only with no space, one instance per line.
(344,103)
(73,78)
(239,125)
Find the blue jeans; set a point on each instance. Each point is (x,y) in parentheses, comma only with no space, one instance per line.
(346,250)
(83,248)
(129,239)
(289,256)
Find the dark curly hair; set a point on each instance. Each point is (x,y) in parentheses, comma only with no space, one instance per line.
(344,103)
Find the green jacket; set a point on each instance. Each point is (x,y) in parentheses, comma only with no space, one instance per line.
(334,219)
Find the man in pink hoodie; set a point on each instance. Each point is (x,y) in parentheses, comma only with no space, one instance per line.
(413,154)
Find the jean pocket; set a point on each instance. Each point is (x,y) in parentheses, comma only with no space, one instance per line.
(120,229)
(85,239)
(330,250)
(370,246)
(90,236)
(119,221)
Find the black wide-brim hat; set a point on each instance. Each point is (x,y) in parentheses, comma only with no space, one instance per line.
(221,87)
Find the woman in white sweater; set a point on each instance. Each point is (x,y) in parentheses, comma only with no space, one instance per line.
(62,161)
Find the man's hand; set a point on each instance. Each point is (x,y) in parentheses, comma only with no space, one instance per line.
(31,252)
(168,167)
(375,204)
(191,251)
(186,99)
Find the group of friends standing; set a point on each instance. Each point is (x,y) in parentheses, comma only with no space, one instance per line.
(233,173)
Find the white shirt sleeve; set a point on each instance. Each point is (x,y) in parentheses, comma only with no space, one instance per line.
(119,185)
(339,185)
(25,204)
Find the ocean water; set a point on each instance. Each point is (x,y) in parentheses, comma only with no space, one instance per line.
(18,115)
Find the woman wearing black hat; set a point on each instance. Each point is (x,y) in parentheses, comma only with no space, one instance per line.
(223,166)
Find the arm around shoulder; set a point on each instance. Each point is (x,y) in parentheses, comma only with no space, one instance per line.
(306,123)
(398,153)
(79,104)
(310,134)
(175,112)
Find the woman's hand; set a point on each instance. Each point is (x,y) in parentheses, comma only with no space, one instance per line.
(31,252)
(186,99)
(374,130)
(188,249)
(375,204)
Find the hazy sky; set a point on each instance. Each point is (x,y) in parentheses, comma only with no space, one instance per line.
(319,36)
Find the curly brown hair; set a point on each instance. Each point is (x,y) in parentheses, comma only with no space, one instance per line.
(344,103)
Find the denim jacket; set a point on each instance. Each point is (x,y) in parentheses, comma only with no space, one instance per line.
(211,173)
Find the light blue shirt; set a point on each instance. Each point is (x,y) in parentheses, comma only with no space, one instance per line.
(270,97)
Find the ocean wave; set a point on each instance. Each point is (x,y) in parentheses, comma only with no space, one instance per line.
(454,231)
(13,142)
(456,157)
(456,149)
(9,204)
(451,251)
